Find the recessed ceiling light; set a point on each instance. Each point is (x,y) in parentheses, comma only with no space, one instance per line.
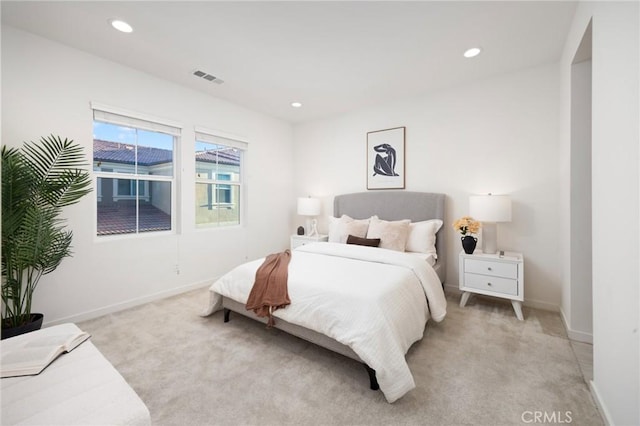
(474,51)
(120,25)
(296,104)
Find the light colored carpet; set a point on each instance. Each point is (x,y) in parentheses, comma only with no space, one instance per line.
(480,366)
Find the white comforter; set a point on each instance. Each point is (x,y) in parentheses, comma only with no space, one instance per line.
(370,299)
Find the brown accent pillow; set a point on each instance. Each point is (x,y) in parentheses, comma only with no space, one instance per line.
(371,242)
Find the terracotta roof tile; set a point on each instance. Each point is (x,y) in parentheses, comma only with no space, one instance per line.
(116,152)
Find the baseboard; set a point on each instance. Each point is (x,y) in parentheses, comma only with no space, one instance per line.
(539,304)
(578,336)
(454,289)
(602,408)
(116,307)
(536,304)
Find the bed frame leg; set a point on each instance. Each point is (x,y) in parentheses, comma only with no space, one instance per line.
(227,312)
(372,377)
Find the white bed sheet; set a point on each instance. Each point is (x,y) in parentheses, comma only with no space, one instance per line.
(373,300)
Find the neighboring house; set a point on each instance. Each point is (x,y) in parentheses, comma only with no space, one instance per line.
(221,165)
(120,157)
(116,197)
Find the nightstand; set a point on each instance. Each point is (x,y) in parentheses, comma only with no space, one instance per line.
(493,275)
(300,240)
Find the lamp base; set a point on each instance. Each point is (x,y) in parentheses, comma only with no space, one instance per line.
(314,228)
(489,237)
(311,227)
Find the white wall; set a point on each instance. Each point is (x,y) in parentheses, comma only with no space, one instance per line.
(498,135)
(615,200)
(578,316)
(47,88)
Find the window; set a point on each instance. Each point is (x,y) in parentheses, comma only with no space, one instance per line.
(218,179)
(133,160)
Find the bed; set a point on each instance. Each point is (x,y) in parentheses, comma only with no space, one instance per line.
(367,303)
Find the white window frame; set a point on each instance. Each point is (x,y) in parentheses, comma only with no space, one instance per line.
(118,116)
(222,138)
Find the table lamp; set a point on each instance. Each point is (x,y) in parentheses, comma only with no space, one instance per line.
(490,209)
(310,207)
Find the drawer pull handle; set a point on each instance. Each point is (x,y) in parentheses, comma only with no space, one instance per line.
(489,269)
(489,284)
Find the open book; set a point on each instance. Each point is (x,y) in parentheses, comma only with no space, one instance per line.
(33,352)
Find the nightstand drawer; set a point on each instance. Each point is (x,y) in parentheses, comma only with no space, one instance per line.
(295,243)
(494,284)
(494,269)
(301,240)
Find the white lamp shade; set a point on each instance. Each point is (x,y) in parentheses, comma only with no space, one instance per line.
(308,206)
(490,208)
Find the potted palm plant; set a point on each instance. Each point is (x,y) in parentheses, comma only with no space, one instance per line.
(37,182)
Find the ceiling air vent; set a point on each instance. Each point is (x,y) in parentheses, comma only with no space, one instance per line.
(208,77)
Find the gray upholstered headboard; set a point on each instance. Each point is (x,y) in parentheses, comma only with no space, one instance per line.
(397,205)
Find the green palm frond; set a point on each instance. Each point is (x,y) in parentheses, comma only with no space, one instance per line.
(42,242)
(37,182)
(57,166)
(16,183)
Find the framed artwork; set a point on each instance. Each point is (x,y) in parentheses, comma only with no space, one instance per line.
(385,159)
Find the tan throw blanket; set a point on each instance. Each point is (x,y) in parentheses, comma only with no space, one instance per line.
(270,290)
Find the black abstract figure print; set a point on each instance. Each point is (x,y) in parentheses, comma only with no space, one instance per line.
(385,163)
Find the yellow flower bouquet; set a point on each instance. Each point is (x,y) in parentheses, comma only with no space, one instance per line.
(467,225)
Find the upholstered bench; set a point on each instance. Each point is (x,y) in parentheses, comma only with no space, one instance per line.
(78,388)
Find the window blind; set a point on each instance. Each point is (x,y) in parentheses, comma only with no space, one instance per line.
(220,140)
(113,116)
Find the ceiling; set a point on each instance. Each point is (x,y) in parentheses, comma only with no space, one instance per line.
(331,56)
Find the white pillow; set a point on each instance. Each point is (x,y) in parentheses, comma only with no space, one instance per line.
(422,236)
(393,235)
(341,228)
(334,232)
